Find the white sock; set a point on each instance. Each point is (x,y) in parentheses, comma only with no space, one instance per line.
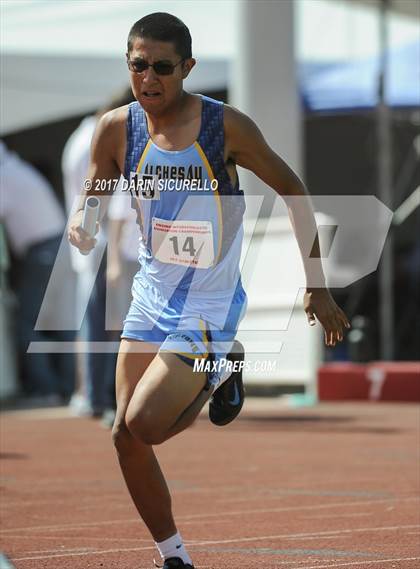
(173,547)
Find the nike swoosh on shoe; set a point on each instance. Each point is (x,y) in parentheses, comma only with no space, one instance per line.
(237,398)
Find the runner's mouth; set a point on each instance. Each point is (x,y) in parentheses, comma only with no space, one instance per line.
(151,94)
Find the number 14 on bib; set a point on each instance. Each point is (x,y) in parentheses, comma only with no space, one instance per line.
(183,242)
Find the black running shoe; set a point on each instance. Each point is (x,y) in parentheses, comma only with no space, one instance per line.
(226,402)
(175,563)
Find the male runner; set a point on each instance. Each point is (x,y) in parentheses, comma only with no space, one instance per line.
(187,296)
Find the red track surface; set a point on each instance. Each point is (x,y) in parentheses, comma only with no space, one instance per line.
(332,486)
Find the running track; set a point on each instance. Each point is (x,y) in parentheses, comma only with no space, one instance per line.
(333,486)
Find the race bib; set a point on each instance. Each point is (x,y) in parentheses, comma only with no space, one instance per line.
(183,242)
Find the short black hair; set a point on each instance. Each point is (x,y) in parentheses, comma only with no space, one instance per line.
(161,26)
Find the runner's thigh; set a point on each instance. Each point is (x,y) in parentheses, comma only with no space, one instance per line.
(168,387)
(134,357)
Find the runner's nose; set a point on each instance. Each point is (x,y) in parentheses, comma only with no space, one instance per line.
(149,76)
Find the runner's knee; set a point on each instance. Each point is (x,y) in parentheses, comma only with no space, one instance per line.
(123,440)
(142,426)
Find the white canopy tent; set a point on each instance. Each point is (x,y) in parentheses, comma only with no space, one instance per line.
(41,88)
(61,59)
(66,58)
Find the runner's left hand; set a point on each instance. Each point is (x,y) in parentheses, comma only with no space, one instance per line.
(319,303)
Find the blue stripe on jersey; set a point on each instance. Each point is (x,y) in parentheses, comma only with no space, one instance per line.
(212,141)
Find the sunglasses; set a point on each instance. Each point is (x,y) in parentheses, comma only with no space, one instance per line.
(159,67)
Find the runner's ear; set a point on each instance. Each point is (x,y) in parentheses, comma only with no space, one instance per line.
(188,65)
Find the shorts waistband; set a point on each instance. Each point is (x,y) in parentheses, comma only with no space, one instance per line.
(168,291)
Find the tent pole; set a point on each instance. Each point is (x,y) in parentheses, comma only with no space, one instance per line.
(384,180)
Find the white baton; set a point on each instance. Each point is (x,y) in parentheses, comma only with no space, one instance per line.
(90,218)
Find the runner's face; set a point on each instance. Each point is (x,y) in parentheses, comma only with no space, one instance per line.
(156,92)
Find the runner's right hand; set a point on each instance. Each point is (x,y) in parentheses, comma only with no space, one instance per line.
(77,236)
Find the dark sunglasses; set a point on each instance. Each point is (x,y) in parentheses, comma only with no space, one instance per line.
(159,67)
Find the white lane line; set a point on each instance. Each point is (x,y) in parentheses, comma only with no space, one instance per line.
(80,537)
(267,496)
(65,527)
(359,563)
(323,538)
(86,550)
(222,541)
(309,534)
(296,508)
(80,554)
(87,502)
(325,516)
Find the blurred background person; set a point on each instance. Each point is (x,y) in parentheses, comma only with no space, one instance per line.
(74,164)
(123,263)
(34,223)
(95,392)
(88,399)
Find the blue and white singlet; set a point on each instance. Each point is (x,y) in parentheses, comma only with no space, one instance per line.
(187,295)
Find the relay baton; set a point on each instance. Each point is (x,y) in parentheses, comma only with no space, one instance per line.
(90,218)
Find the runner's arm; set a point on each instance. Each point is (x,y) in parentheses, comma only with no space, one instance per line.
(103,169)
(248,148)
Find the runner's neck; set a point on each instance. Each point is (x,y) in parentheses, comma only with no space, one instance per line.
(172,116)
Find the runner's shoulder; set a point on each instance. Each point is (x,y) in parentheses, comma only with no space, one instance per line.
(110,131)
(114,121)
(237,121)
(240,129)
